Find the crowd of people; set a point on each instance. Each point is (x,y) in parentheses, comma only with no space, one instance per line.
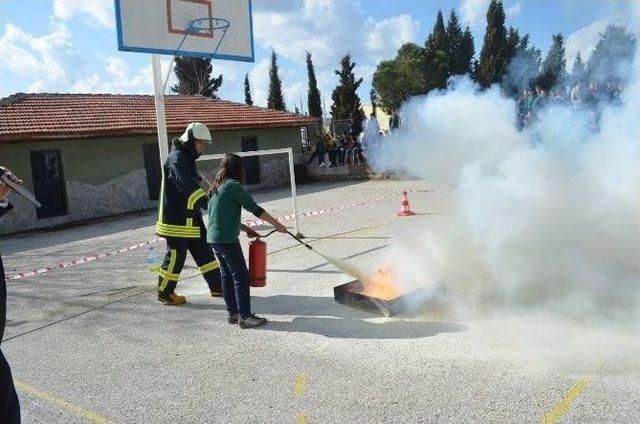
(339,150)
(582,96)
(348,148)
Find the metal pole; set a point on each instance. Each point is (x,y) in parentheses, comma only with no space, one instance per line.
(161,119)
(292,174)
(166,79)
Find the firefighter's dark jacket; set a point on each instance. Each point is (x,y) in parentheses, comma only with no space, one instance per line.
(181,197)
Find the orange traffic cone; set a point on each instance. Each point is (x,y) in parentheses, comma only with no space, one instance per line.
(405,209)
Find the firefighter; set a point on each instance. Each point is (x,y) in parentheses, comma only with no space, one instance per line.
(180,218)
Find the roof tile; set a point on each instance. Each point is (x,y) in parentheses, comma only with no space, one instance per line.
(25,117)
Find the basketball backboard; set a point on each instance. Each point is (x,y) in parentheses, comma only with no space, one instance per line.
(218,29)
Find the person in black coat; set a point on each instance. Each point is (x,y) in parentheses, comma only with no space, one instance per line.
(9,406)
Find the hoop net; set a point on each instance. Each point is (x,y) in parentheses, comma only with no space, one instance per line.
(206,27)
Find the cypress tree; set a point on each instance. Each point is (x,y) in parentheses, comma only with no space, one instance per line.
(438,38)
(464,58)
(346,102)
(374,101)
(314,99)
(454,46)
(275,99)
(493,63)
(247,91)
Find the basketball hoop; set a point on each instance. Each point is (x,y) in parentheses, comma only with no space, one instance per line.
(198,28)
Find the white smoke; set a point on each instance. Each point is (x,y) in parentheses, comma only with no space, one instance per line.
(548,217)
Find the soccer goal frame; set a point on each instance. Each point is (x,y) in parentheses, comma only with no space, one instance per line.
(289,152)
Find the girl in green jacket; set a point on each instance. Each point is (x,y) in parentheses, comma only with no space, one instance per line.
(228,198)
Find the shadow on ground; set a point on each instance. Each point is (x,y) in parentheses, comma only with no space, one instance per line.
(323,316)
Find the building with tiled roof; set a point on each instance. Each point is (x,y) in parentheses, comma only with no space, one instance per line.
(95,155)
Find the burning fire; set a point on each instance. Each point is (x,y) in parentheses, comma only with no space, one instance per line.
(380,285)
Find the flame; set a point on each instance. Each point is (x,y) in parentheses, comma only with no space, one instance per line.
(381,285)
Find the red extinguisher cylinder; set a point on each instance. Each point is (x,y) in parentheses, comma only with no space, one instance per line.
(258,263)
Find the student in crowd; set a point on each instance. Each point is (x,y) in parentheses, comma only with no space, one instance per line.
(318,153)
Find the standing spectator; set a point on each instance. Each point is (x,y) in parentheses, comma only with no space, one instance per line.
(330,147)
(318,153)
(342,149)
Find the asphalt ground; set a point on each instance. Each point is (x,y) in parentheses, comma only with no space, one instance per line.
(91,343)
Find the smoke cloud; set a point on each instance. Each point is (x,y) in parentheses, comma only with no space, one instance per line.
(548,217)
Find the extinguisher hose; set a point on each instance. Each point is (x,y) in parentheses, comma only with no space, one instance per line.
(343,266)
(266,235)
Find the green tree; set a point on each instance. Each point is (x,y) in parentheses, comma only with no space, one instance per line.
(554,67)
(494,54)
(247,91)
(313,97)
(275,99)
(414,71)
(346,102)
(579,70)
(194,77)
(401,78)
(612,58)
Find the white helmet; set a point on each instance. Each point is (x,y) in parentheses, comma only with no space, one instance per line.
(198,131)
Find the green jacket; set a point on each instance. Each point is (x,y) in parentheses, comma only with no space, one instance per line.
(225,207)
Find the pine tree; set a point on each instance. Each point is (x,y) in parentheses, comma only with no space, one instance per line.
(314,100)
(459,46)
(297,111)
(275,99)
(493,63)
(554,67)
(612,58)
(194,77)
(247,91)
(579,70)
(438,38)
(464,58)
(523,69)
(346,102)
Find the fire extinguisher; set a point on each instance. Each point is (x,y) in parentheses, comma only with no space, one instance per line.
(258,261)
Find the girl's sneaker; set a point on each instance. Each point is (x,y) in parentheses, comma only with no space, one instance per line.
(233,319)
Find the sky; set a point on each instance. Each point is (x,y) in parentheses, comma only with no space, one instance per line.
(61,46)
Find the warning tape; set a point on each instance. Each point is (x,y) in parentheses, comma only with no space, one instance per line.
(250,223)
(80,261)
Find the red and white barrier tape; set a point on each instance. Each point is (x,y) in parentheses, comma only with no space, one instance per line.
(250,223)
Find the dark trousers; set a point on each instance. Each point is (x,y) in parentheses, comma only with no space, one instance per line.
(319,155)
(174,261)
(235,278)
(341,156)
(333,155)
(9,406)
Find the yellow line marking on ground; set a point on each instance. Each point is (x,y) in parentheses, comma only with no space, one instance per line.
(301,384)
(560,409)
(319,351)
(87,414)
(302,419)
